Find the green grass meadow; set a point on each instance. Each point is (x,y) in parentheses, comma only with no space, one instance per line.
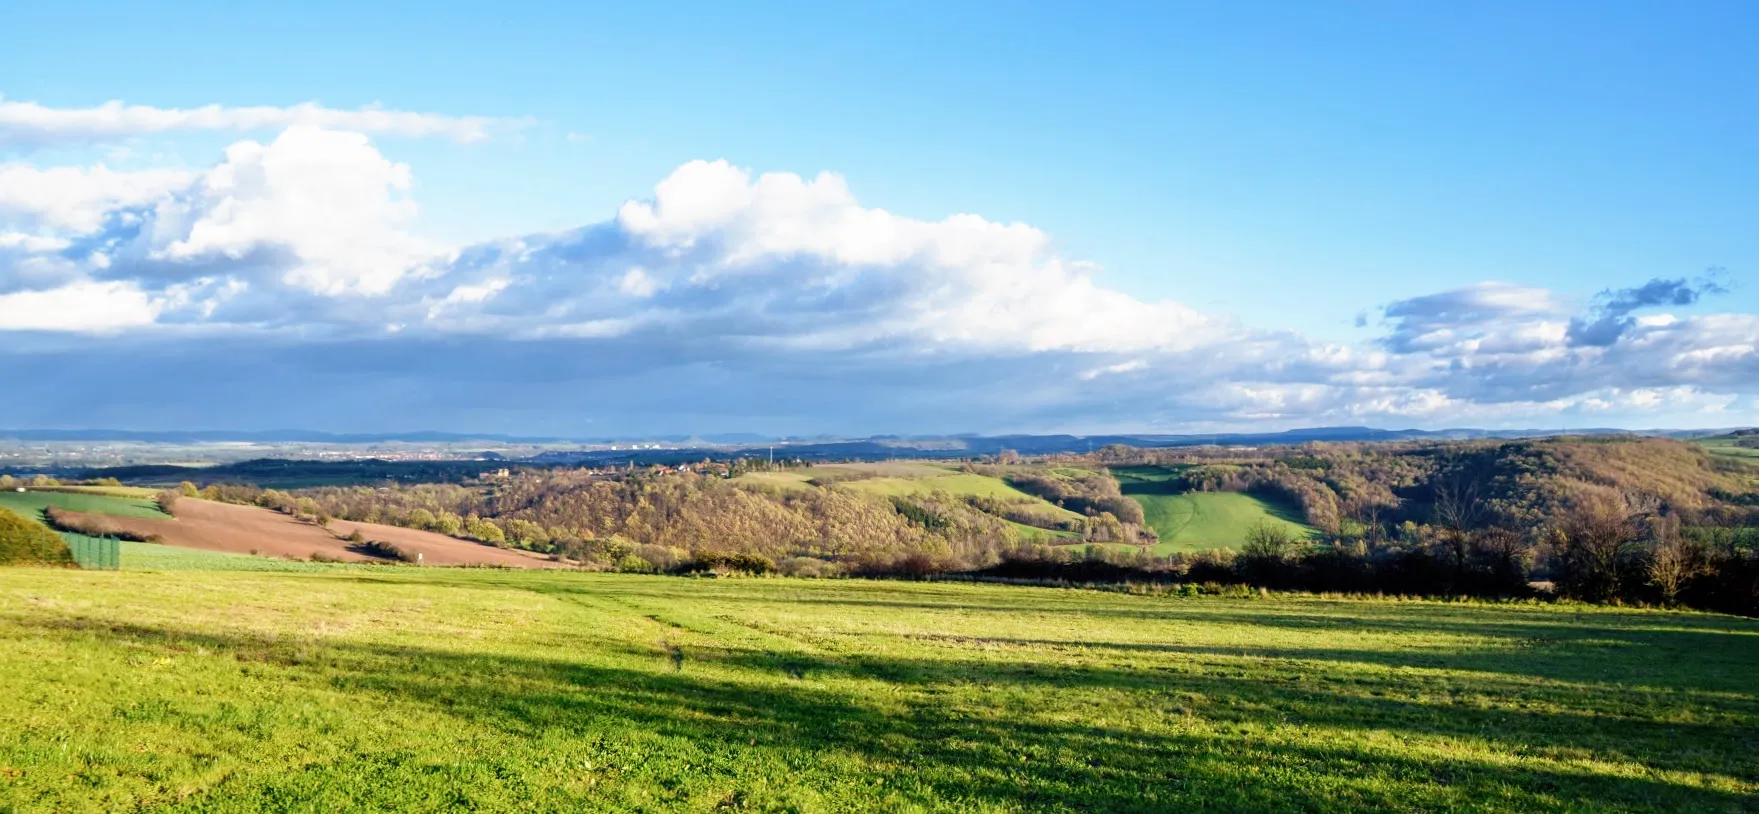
(393,688)
(954,483)
(1726,446)
(1197,521)
(33,502)
(157,557)
(896,479)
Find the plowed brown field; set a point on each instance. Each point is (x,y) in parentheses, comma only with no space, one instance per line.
(252,530)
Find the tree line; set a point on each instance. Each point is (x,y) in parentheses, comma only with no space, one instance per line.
(1634,520)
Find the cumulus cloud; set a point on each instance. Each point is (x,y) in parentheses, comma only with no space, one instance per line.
(33,124)
(774,301)
(1612,318)
(1494,343)
(1457,321)
(79,199)
(84,307)
(962,279)
(327,199)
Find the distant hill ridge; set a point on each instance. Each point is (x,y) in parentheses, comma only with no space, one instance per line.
(954,444)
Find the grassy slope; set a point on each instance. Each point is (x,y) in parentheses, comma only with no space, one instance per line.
(955,483)
(1195,521)
(1042,535)
(1203,520)
(1724,445)
(118,491)
(906,478)
(33,502)
(786,479)
(418,689)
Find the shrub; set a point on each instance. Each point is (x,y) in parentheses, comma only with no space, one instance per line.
(419,519)
(383,550)
(1268,540)
(25,542)
(485,531)
(167,500)
(94,525)
(631,564)
(738,563)
(809,568)
(660,557)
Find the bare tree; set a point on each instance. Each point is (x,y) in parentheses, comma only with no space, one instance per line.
(1457,511)
(1368,510)
(1672,559)
(1268,540)
(1592,539)
(1457,507)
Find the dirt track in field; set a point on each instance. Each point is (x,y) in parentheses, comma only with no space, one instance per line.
(252,530)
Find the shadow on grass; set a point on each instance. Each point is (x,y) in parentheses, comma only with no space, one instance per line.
(932,727)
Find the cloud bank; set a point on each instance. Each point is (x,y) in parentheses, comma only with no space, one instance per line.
(284,286)
(33,124)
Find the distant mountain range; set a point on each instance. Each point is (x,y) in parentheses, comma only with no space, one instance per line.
(822,447)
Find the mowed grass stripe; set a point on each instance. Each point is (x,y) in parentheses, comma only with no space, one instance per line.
(430,689)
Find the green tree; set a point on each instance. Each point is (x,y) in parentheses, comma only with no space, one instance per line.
(485,531)
(448,524)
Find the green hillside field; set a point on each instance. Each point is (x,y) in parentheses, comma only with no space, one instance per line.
(1197,521)
(32,503)
(911,478)
(1727,446)
(408,689)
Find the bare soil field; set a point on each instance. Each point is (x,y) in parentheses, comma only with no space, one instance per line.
(252,530)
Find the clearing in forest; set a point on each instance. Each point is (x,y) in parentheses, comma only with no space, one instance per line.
(898,478)
(1197,521)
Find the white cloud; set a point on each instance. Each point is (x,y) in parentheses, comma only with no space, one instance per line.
(78,199)
(327,198)
(1110,370)
(725,276)
(637,283)
(973,281)
(31,244)
(83,307)
(33,123)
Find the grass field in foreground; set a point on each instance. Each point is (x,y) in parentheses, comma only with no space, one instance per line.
(158,557)
(428,689)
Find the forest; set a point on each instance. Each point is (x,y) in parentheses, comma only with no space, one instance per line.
(1624,519)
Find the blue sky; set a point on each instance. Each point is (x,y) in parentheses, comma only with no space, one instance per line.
(1285,173)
